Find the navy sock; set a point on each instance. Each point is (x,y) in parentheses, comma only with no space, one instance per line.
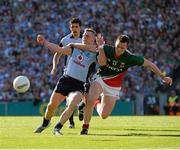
(71,120)
(58,126)
(45,122)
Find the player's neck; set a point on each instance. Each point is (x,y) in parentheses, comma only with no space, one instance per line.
(76,36)
(118,53)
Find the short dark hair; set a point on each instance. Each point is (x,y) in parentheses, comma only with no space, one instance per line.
(123,38)
(75,20)
(90,30)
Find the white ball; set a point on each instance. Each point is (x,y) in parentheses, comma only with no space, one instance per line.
(21,84)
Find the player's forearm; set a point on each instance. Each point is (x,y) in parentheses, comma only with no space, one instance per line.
(53,47)
(56,59)
(102,59)
(153,68)
(86,47)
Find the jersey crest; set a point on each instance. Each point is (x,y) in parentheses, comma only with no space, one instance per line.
(80,57)
(122,65)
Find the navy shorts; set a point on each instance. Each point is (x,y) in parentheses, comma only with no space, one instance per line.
(67,84)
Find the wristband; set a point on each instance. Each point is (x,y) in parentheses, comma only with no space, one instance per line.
(162,76)
(101,46)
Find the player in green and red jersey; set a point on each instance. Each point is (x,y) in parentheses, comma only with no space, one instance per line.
(114,63)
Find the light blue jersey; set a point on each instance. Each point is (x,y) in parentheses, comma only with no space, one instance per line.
(65,41)
(79,63)
(69,39)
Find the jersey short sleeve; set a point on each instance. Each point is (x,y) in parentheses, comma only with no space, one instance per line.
(137,60)
(62,43)
(108,50)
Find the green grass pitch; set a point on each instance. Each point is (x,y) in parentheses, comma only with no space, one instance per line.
(115,132)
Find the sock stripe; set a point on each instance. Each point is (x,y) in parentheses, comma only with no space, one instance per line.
(85,126)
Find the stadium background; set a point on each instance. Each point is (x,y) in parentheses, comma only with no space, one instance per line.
(153,27)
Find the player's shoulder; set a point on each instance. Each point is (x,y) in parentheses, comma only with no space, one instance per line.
(108,49)
(127,52)
(107,46)
(67,37)
(133,56)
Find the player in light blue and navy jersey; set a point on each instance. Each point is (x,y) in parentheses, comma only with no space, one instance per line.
(74,37)
(71,84)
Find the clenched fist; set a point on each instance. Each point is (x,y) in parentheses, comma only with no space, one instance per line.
(40,39)
(167,80)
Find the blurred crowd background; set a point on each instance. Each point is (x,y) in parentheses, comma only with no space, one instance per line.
(152,25)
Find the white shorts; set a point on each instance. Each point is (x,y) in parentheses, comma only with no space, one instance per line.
(108,90)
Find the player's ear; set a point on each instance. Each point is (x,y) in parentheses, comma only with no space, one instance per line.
(70,28)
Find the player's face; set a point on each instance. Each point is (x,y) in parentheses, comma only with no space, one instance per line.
(120,47)
(75,29)
(88,37)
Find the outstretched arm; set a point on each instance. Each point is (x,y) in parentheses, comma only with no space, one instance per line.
(157,71)
(85,47)
(54,47)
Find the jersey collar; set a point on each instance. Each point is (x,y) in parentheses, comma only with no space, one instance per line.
(117,57)
(72,37)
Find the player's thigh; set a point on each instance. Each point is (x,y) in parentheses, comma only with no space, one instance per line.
(56,99)
(74,98)
(94,91)
(107,105)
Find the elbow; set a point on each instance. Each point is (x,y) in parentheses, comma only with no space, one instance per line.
(148,64)
(58,50)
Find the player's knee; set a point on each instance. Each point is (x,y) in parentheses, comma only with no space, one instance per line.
(104,115)
(90,102)
(50,107)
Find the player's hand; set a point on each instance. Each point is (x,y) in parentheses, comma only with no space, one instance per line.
(167,80)
(40,39)
(53,72)
(100,40)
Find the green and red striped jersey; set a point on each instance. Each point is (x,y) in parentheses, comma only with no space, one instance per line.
(116,68)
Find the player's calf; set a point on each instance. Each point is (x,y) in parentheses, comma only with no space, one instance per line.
(71,121)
